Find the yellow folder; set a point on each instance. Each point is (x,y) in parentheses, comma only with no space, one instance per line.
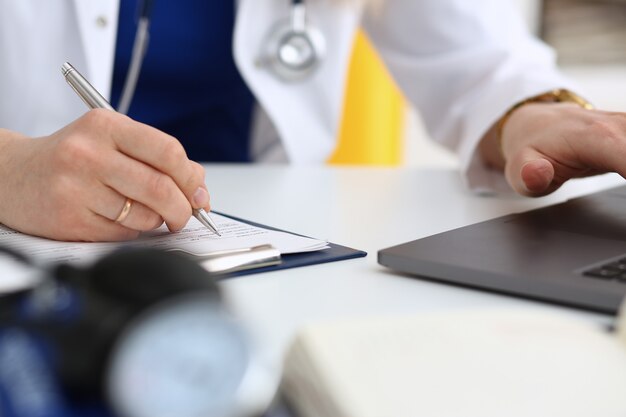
(372,125)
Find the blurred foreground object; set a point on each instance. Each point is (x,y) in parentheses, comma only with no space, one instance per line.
(490,363)
(372,125)
(141,333)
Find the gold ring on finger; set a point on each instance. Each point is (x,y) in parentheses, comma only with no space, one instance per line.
(125,211)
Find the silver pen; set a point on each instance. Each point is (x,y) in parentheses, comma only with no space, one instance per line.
(94,100)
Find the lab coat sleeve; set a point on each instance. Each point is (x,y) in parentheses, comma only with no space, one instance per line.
(462,64)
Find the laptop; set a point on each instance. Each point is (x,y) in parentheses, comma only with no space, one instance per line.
(573,253)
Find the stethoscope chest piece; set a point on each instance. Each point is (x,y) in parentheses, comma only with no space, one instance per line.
(293,49)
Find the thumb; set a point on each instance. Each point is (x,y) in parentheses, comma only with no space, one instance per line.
(531,174)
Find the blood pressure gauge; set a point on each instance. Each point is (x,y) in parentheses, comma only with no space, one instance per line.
(184,358)
(149,331)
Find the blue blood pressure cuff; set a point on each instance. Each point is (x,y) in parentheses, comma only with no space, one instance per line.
(58,339)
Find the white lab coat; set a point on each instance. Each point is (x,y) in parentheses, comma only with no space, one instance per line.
(462,63)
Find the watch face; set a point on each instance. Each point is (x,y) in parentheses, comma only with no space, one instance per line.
(184,358)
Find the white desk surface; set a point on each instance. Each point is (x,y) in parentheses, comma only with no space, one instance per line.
(367,209)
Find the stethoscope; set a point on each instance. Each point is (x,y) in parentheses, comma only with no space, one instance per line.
(292,50)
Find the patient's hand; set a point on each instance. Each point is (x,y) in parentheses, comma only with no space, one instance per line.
(546,144)
(73,184)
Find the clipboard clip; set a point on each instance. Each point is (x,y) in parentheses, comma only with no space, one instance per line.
(226,261)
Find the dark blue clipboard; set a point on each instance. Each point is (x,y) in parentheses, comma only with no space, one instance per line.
(295,260)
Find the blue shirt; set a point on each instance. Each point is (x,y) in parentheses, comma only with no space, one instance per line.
(189,85)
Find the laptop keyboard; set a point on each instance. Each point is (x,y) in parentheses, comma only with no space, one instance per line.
(611,271)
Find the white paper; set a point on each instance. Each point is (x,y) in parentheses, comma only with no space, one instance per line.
(194,238)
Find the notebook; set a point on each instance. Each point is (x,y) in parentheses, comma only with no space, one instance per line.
(572,253)
(482,363)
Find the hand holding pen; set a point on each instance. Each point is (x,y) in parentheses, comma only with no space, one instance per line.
(102,177)
(94,100)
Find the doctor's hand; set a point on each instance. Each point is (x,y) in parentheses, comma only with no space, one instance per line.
(545,144)
(74,184)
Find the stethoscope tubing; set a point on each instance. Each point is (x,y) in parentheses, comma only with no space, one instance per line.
(142,39)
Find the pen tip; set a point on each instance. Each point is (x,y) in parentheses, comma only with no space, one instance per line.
(204,218)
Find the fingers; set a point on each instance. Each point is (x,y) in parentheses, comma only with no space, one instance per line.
(100,229)
(602,146)
(147,186)
(530,173)
(109,204)
(201,196)
(545,145)
(165,154)
(537,176)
